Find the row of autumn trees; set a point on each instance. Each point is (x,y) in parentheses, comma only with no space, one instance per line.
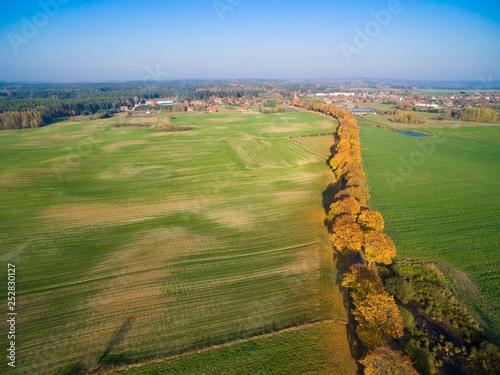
(355,229)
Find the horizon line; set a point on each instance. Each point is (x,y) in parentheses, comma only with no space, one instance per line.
(372,79)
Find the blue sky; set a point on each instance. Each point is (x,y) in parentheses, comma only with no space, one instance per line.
(76,40)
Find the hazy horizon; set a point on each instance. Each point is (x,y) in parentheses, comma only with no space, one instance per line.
(69,41)
(486,84)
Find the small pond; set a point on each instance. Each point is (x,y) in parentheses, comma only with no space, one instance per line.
(414,134)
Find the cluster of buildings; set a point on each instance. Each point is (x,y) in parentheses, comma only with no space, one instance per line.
(203,105)
(350,99)
(415,99)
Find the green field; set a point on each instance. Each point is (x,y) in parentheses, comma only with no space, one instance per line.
(440,200)
(132,244)
(315,349)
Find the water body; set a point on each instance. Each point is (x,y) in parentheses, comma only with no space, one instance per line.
(414,134)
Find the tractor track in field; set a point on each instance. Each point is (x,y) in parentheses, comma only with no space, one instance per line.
(108,277)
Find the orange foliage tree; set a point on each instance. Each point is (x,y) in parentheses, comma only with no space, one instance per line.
(340,164)
(343,146)
(348,205)
(348,236)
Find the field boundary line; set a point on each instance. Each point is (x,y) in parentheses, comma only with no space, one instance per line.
(117,369)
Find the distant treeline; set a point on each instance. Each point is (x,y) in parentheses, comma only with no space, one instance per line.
(463,114)
(468,114)
(21,120)
(404,117)
(476,115)
(54,101)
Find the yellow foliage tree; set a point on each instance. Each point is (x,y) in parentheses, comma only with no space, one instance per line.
(371,220)
(361,193)
(340,163)
(343,146)
(348,236)
(356,151)
(362,281)
(384,361)
(378,248)
(378,320)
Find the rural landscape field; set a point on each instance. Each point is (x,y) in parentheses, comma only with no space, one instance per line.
(162,241)
(232,187)
(134,243)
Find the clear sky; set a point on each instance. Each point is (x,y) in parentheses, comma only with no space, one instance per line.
(108,40)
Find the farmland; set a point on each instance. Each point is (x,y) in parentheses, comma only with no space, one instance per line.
(439,197)
(132,244)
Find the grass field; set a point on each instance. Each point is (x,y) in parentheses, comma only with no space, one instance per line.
(132,244)
(439,198)
(315,352)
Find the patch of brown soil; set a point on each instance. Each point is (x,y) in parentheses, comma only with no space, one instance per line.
(137,287)
(118,145)
(91,214)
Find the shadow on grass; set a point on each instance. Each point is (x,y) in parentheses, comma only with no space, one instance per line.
(106,357)
(117,337)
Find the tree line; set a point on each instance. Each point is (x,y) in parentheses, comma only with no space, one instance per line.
(382,291)
(476,115)
(469,114)
(357,229)
(405,117)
